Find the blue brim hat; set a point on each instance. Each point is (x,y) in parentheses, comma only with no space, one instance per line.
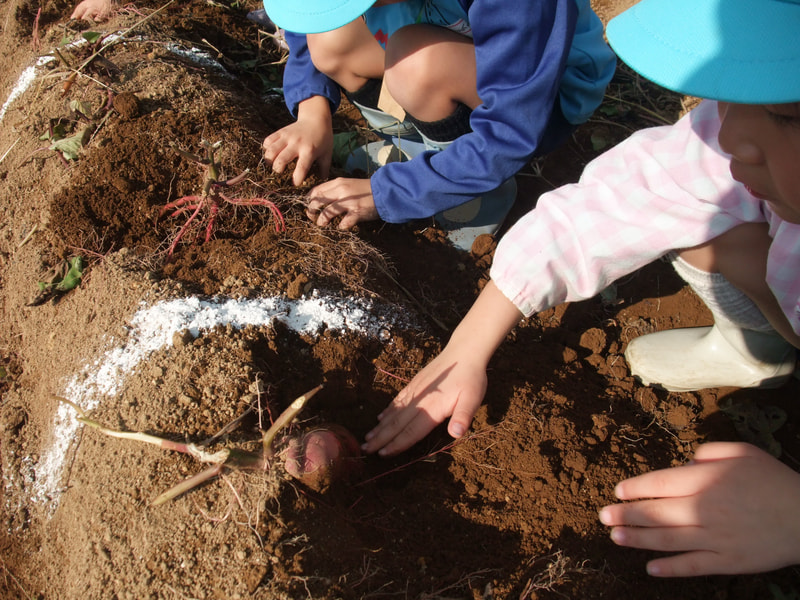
(744,51)
(314,16)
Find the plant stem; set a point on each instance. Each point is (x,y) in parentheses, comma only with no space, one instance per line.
(284,419)
(188,484)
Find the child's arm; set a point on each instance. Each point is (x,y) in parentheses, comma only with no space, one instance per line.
(577,240)
(312,98)
(92,10)
(733,509)
(453,384)
(309,139)
(521,59)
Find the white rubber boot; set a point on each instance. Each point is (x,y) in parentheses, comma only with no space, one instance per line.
(684,360)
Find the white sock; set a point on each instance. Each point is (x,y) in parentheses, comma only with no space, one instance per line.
(721,296)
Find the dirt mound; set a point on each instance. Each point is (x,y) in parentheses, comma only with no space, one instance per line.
(224,334)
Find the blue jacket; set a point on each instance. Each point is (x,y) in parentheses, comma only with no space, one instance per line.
(529,55)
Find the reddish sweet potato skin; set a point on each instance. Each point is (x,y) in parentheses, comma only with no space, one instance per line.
(323,456)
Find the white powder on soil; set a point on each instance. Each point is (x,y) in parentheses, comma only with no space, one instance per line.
(153,327)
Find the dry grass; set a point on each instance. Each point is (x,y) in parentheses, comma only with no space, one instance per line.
(556,571)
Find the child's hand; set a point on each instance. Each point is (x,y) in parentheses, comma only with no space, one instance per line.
(309,140)
(733,509)
(349,198)
(449,385)
(453,384)
(92,10)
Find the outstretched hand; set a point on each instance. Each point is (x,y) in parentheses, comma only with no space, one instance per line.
(733,509)
(452,385)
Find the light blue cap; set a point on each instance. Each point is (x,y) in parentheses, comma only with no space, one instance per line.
(744,51)
(314,16)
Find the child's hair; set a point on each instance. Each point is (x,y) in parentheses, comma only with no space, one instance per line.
(314,16)
(743,51)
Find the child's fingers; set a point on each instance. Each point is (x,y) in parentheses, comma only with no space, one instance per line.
(710,462)
(664,512)
(402,438)
(301,170)
(279,157)
(402,423)
(669,483)
(272,147)
(722,450)
(390,420)
(692,564)
(329,212)
(394,431)
(661,539)
(350,220)
(466,406)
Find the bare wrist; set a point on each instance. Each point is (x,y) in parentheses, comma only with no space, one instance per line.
(315,108)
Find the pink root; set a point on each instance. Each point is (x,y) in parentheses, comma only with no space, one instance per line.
(280,223)
(180,202)
(183,231)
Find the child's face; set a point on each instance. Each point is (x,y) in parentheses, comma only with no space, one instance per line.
(764,144)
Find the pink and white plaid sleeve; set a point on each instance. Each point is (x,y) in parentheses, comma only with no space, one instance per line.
(662,189)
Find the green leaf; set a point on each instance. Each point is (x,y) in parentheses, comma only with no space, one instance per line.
(91,36)
(69,146)
(73,276)
(3,373)
(59,131)
(85,108)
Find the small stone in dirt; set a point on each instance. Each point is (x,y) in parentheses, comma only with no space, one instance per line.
(122,184)
(594,340)
(568,354)
(297,287)
(182,338)
(127,105)
(483,245)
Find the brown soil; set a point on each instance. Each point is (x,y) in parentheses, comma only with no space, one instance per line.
(510,512)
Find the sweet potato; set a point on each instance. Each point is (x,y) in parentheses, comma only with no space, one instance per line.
(320,457)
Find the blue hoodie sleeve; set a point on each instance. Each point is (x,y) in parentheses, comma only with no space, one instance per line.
(521,53)
(301,80)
